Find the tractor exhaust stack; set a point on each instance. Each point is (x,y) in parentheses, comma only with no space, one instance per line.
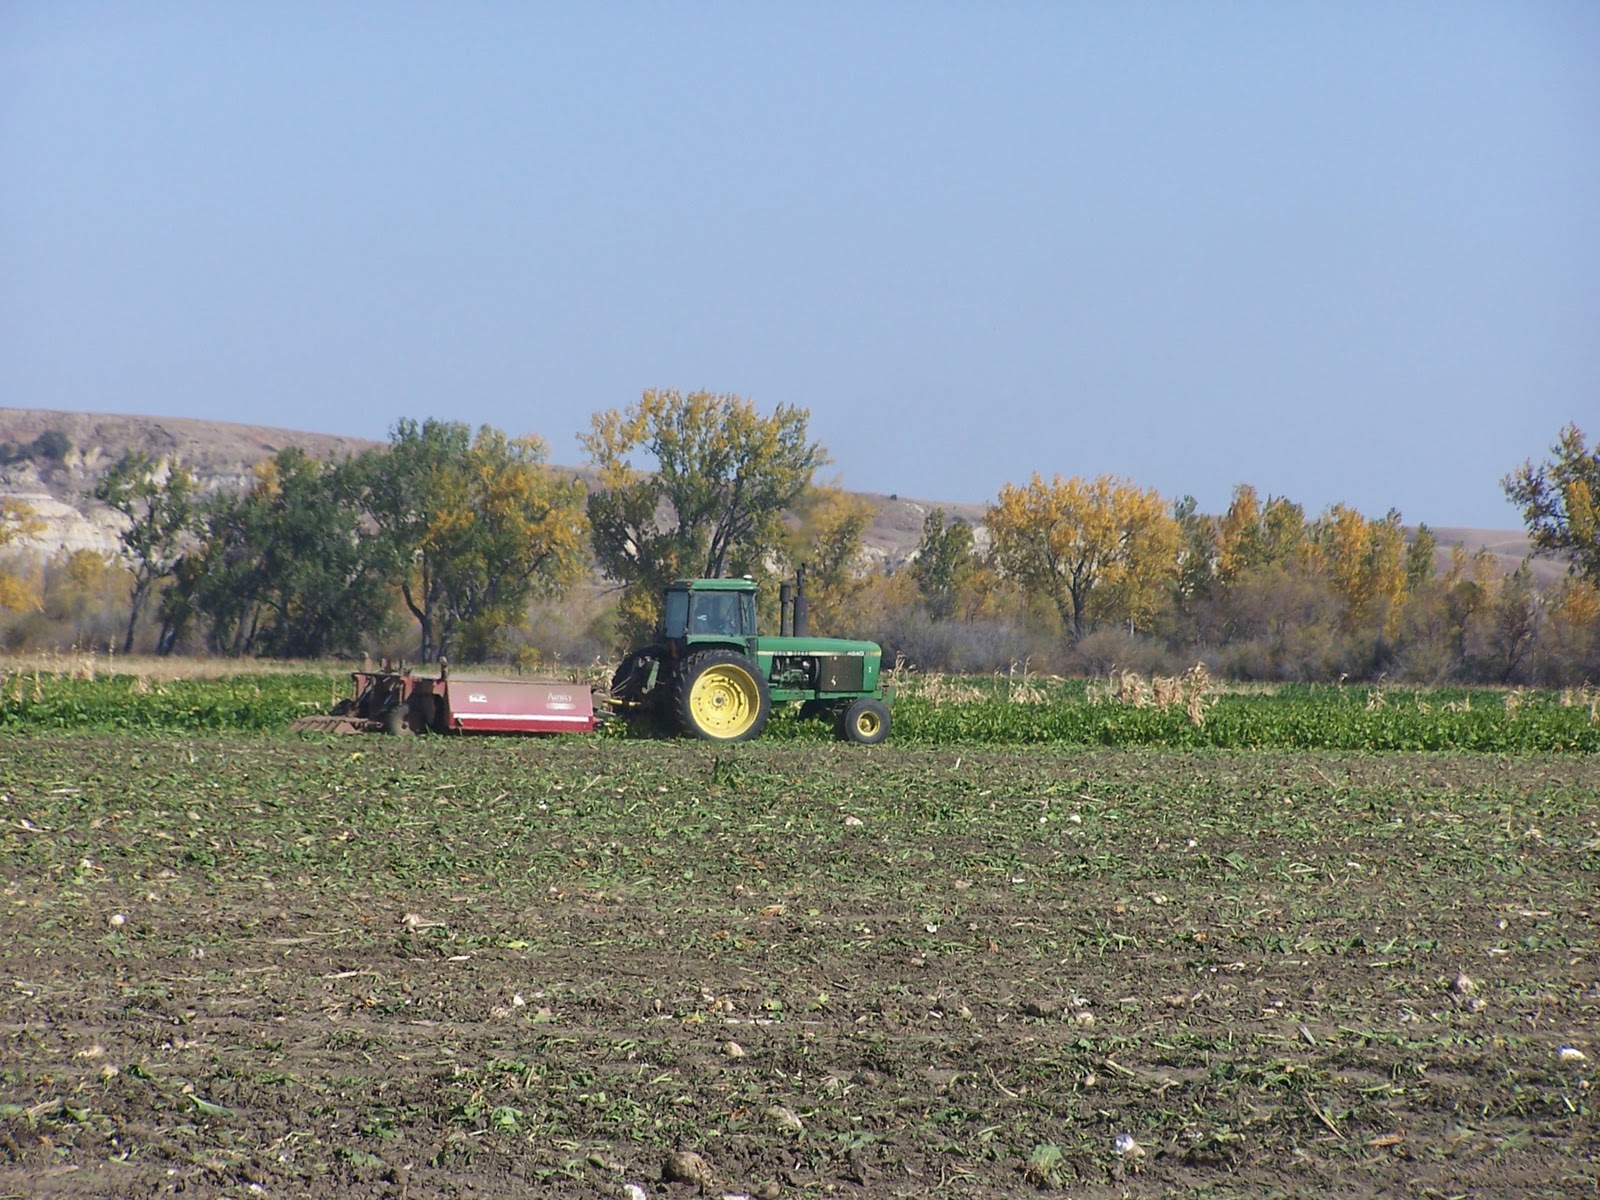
(801,611)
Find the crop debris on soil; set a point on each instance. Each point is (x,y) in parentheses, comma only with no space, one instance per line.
(263,965)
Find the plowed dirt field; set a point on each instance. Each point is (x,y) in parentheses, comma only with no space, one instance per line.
(279,967)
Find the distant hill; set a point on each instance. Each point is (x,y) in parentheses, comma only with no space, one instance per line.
(1507,549)
(220,454)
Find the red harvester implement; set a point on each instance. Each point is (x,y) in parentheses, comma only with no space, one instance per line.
(401,702)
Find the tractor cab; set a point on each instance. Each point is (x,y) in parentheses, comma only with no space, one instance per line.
(706,612)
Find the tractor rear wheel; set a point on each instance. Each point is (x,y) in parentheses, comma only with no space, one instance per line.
(721,696)
(865,721)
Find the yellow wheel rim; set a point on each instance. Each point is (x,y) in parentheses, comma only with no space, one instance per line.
(868,723)
(724,701)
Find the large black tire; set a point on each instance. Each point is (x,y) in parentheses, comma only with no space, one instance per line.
(865,721)
(629,680)
(721,696)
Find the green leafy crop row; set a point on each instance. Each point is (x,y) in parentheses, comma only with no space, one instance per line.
(1252,722)
(1291,718)
(240,702)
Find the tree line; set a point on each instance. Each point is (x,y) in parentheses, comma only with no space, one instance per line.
(454,533)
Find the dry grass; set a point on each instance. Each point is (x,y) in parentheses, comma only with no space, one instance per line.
(1582,697)
(21,687)
(1021,686)
(596,674)
(1166,690)
(88,665)
(1193,691)
(1017,686)
(939,689)
(1122,687)
(1197,687)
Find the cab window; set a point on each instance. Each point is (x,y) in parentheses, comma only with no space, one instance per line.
(716,614)
(675,621)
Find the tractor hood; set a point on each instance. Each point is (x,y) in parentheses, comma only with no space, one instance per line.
(818,645)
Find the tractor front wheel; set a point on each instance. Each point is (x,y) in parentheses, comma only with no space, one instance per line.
(865,721)
(721,696)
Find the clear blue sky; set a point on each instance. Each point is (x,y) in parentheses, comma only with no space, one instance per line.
(1346,252)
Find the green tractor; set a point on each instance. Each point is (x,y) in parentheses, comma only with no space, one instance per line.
(711,675)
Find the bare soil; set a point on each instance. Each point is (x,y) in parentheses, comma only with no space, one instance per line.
(314,968)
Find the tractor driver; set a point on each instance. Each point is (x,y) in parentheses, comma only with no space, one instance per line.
(716,614)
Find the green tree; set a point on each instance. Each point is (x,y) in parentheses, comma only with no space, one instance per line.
(159,502)
(480,525)
(713,505)
(1197,552)
(1251,535)
(1560,502)
(1285,534)
(52,445)
(1419,558)
(1218,555)
(1100,549)
(414,490)
(286,568)
(945,563)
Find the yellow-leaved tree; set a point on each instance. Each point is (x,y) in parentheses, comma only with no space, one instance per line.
(692,486)
(19,591)
(1366,564)
(479,526)
(1251,535)
(1099,549)
(78,585)
(829,544)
